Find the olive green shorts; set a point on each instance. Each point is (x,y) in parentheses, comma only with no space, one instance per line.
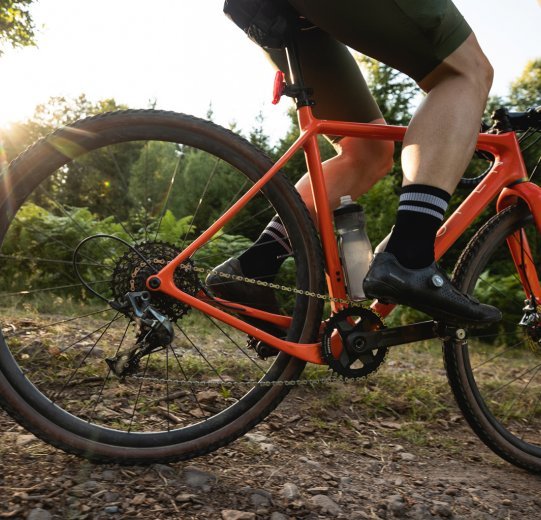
(412,36)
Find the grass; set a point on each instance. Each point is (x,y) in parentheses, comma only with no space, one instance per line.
(410,388)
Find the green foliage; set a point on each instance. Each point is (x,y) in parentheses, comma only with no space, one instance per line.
(16,25)
(526,89)
(44,242)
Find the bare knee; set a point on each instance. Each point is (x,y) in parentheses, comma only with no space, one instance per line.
(367,160)
(468,64)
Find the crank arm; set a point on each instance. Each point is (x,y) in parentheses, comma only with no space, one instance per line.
(396,336)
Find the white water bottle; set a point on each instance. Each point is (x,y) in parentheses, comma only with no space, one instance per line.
(353,244)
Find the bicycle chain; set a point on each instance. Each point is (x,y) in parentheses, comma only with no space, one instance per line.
(261,283)
(297,382)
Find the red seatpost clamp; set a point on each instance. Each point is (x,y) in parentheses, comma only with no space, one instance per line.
(279,87)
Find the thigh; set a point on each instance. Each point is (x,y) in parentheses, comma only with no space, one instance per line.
(411,36)
(340,90)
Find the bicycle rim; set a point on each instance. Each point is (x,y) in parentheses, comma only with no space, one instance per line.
(127,192)
(496,374)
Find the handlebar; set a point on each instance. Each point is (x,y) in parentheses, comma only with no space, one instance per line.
(505,121)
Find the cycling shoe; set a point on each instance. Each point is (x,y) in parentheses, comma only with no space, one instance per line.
(427,289)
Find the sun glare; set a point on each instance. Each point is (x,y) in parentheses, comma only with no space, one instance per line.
(17,98)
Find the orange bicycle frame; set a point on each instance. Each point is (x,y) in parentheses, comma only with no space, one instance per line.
(507,178)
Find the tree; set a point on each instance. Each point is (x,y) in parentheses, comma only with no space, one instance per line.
(56,112)
(526,89)
(16,25)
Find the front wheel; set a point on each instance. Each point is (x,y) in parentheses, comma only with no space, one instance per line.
(86,216)
(496,374)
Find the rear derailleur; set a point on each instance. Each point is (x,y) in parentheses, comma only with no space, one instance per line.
(154,332)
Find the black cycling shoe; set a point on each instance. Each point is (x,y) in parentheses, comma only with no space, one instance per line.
(428,290)
(249,294)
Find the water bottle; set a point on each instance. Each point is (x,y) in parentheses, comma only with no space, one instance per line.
(353,244)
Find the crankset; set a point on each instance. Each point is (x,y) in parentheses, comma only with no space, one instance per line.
(154,332)
(348,327)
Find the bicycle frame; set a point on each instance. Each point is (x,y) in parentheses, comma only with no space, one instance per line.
(507,179)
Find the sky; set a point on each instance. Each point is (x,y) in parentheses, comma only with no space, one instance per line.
(184,55)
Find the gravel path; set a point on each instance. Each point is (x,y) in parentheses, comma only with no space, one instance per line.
(286,468)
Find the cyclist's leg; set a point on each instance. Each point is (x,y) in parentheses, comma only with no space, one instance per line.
(432,43)
(450,122)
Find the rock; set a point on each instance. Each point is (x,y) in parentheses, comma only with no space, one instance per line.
(320,490)
(108,475)
(196,478)
(255,437)
(325,505)
(506,502)
(23,440)
(267,447)
(278,516)
(310,462)
(345,481)
(207,396)
(112,510)
(451,491)
(38,514)
(138,499)
(408,457)
(111,496)
(185,497)
(420,512)
(442,509)
(260,498)
(396,504)
(290,491)
(91,485)
(232,514)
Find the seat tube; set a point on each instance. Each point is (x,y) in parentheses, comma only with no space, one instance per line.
(335,279)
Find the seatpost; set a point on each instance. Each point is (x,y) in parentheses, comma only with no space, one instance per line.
(298,88)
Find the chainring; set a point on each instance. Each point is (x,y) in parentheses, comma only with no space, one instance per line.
(347,322)
(145,259)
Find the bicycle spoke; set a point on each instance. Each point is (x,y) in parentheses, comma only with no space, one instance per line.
(167,197)
(235,343)
(106,378)
(200,353)
(49,289)
(139,393)
(201,198)
(105,329)
(192,390)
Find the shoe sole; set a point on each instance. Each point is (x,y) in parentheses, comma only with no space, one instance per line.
(388,296)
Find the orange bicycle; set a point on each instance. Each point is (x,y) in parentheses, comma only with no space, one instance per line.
(112,347)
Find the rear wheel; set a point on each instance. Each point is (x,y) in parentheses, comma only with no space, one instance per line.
(87,214)
(496,374)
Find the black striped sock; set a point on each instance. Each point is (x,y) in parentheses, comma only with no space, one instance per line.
(420,212)
(264,258)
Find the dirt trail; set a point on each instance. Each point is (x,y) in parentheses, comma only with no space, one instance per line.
(291,466)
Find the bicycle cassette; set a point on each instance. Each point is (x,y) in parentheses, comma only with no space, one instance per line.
(347,326)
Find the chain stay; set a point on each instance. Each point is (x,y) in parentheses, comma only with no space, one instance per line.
(334,378)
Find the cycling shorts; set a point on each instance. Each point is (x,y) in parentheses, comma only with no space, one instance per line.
(412,36)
